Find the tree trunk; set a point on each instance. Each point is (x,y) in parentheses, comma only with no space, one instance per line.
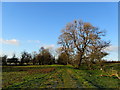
(79,62)
(67,60)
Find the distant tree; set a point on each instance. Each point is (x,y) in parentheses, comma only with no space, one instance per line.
(63,58)
(45,57)
(81,36)
(4,60)
(25,57)
(34,58)
(39,59)
(13,60)
(14,55)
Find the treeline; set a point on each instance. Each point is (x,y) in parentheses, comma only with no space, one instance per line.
(111,61)
(80,44)
(44,57)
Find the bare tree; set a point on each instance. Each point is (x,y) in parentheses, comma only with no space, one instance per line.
(81,36)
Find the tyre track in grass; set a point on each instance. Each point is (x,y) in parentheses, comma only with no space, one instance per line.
(35,82)
(69,82)
(61,79)
(71,73)
(85,83)
(50,80)
(80,80)
(55,80)
(95,85)
(60,83)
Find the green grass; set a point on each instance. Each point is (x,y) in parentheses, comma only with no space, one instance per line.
(57,76)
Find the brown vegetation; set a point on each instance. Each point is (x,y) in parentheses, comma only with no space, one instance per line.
(45,70)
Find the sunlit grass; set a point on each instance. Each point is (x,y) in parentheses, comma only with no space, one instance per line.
(57,76)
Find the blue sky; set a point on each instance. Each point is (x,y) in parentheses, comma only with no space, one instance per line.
(28,25)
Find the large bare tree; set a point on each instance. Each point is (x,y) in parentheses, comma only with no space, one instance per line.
(82,38)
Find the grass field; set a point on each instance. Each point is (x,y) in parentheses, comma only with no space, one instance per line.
(58,76)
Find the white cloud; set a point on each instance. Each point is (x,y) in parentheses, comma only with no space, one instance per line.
(12,41)
(49,46)
(33,41)
(112,48)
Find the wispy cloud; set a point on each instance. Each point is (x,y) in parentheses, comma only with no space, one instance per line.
(112,48)
(33,41)
(12,41)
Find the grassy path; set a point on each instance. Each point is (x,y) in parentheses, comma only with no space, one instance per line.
(68,80)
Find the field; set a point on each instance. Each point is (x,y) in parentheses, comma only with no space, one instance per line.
(59,76)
